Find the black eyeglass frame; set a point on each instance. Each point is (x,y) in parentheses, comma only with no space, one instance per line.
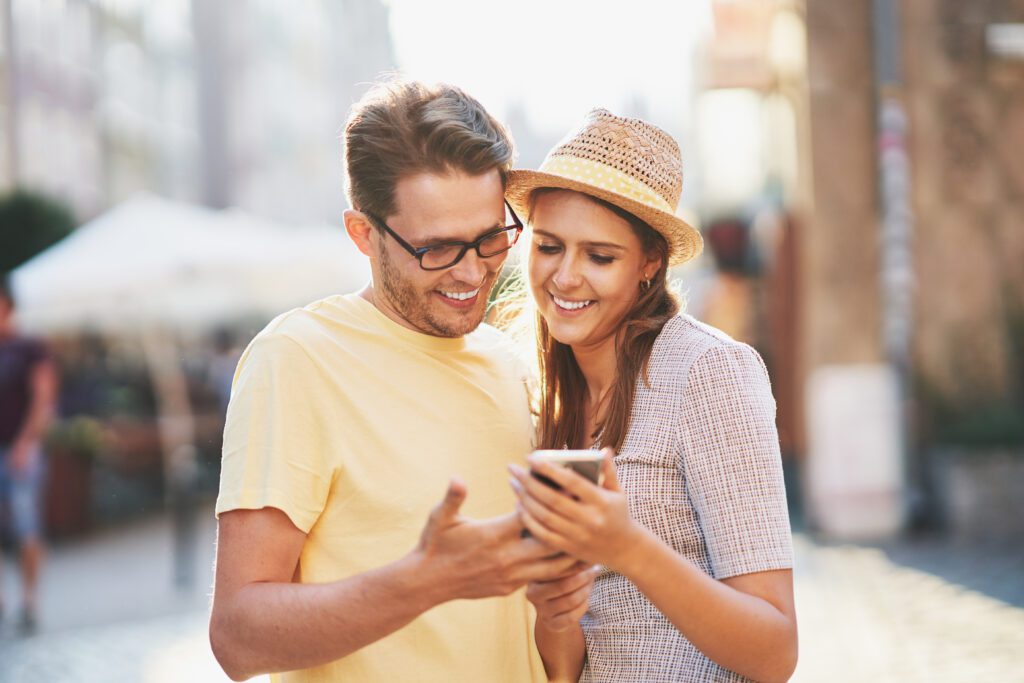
(419,252)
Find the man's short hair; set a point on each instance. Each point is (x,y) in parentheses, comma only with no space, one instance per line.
(401,128)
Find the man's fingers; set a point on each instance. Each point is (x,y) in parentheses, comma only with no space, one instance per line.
(579,568)
(528,548)
(448,508)
(507,526)
(541,546)
(545,570)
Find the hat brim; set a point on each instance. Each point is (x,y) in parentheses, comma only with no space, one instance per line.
(684,241)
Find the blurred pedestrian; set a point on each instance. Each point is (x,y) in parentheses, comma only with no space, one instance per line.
(695,542)
(28,390)
(348,419)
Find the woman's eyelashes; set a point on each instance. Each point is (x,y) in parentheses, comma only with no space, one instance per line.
(599,259)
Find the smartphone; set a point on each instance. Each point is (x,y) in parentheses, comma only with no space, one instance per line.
(586,463)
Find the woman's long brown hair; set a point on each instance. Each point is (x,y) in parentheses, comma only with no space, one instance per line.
(563,389)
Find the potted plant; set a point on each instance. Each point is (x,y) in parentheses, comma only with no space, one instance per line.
(72,446)
(977,452)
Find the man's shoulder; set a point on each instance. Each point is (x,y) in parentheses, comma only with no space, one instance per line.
(301,331)
(326,316)
(504,351)
(489,339)
(488,334)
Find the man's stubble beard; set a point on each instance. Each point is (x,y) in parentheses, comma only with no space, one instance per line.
(415,308)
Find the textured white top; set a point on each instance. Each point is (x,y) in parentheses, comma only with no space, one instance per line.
(701,468)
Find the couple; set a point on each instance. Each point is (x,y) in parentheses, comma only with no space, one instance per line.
(350,417)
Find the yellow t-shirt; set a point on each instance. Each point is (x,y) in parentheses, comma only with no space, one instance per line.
(352,425)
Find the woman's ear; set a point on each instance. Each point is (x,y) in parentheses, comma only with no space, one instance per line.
(651,266)
(359,230)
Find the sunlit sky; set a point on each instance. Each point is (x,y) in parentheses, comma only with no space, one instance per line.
(558,58)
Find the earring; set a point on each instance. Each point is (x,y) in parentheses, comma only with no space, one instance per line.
(645,284)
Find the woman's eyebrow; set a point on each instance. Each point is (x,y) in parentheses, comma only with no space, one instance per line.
(605,245)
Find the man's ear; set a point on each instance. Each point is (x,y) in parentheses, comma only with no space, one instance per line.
(360,230)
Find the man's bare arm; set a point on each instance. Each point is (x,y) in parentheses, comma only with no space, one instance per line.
(42,405)
(43,402)
(262,622)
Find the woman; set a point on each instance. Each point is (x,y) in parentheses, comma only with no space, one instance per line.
(690,525)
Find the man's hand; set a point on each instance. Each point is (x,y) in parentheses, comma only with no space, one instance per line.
(562,603)
(479,559)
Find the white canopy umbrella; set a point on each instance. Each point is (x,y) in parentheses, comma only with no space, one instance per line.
(160,270)
(151,263)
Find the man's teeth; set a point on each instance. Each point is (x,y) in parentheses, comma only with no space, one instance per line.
(461,296)
(570,305)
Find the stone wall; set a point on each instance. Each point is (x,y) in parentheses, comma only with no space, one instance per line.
(966,146)
(839,247)
(966,110)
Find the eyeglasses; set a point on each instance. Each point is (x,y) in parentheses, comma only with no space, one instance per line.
(447,254)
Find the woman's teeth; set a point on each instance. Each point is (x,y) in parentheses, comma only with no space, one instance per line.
(461,296)
(570,305)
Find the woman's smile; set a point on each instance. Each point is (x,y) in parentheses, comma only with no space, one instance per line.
(571,307)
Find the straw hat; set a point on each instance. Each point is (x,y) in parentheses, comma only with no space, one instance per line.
(627,162)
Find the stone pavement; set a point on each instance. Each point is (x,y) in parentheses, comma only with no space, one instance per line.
(865,617)
(922,611)
(111,611)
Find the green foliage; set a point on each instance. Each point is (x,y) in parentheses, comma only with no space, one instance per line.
(988,426)
(80,437)
(29,223)
(975,419)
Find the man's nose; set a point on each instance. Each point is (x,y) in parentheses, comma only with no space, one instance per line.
(470,269)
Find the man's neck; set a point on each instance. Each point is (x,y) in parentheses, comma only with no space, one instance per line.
(381,304)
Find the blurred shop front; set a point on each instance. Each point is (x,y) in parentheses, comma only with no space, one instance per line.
(861,192)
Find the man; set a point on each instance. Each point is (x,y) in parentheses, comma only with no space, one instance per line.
(28,384)
(349,418)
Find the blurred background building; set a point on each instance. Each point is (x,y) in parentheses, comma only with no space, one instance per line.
(885,279)
(857,169)
(197,101)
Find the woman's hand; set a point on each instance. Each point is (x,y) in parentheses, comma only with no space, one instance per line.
(561,604)
(589,522)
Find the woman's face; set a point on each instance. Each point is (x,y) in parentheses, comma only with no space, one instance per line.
(586,265)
